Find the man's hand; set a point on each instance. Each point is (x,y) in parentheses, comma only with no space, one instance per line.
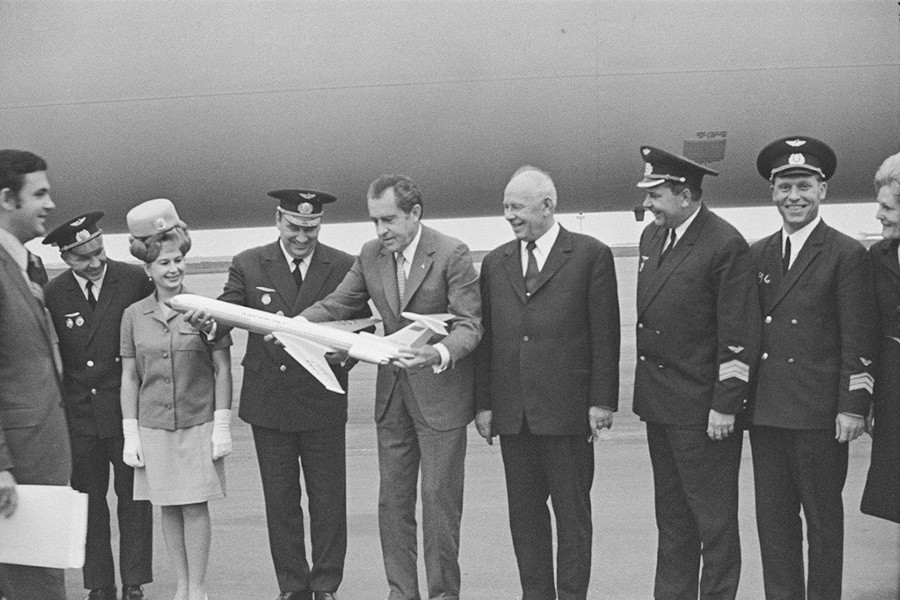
(423,356)
(8,498)
(599,418)
(200,320)
(848,427)
(335,359)
(720,425)
(870,421)
(270,338)
(483,423)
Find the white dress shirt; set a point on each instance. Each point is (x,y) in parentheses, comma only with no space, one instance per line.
(798,238)
(543,245)
(82,283)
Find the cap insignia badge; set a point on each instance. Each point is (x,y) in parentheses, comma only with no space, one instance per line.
(645,151)
(648,169)
(305,208)
(795,143)
(77,222)
(797,159)
(307,196)
(160,223)
(82,235)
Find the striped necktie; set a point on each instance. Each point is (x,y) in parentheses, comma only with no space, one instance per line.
(401,277)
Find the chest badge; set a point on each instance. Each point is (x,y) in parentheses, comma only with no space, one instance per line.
(764,278)
(79,321)
(70,323)
(266,299)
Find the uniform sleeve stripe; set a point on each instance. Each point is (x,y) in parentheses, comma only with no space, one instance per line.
(734,369)
(862,381)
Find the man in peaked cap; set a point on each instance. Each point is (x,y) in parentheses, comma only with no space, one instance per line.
(697,335)
(814,385)
(292,415)
(86,304)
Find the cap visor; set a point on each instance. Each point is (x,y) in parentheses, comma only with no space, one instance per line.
(304,221)
(649,183)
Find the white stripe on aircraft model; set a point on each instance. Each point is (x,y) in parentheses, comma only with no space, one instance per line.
(308,342)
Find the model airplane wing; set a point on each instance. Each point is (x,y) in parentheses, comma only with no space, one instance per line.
(421,329)
(352,324)
(311,357)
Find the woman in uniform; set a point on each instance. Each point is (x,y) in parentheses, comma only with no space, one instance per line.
(176,399)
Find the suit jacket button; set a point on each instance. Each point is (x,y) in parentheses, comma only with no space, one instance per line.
(90,363)
(640,325)
(94,391)
(790,360)
(280,313)
(769,319)
(643,358)
(793,321)
(525,339)
(765,355)
(282,368)
(117,359)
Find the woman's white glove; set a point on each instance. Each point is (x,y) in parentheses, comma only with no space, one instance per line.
(132,452)
(221,434)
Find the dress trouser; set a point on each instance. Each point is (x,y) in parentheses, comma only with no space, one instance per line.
(91,457)
(695,482)
(794,469)
(20,582)
(407,444)
(322,454)
(559,468)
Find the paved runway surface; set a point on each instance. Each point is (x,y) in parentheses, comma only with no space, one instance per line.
(624,526)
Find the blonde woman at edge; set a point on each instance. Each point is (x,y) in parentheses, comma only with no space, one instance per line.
(176,400)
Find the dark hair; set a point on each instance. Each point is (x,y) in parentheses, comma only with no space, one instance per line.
(147,249)
(15,165)
(405,190)
(696,192)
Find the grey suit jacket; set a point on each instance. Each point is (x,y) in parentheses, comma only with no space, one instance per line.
(442,279)
(34,441)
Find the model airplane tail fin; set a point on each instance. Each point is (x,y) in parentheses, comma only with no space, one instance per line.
(421,329)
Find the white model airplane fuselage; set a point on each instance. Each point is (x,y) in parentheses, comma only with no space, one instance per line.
(308,342)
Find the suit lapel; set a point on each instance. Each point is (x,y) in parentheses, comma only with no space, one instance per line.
(657,277)
(278,272)
(109,290)
(318,271)
(420,266)
(21,286)
(558,255)
(388,269)
(889,258)
(808,253)
(512,260)
(648,266)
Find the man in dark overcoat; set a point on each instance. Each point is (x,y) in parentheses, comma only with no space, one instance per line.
(814,388)
(86,303)
(697,338)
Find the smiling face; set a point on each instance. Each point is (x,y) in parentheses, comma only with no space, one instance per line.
(528,205)
(26,212)
(167,271)
(299,241)
(396,229)
(87,260)
(889,211)
(669,209)
(797,198)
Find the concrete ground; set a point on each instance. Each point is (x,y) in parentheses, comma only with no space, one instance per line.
(624,526)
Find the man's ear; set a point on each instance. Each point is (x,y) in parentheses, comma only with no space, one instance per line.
(8,200)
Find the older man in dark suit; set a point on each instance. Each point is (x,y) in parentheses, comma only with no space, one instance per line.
(295,420)
(423,403)
(34,443)
(547,380)
(86,304)
(697,337)
(814,389)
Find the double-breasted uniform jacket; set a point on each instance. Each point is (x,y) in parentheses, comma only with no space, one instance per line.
(441,279)
(89,344)
(549,356)
(697,323)
(278,392)
(819,332)
(881,497)
(34,441)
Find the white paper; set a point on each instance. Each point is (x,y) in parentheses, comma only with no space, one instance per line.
(48,529)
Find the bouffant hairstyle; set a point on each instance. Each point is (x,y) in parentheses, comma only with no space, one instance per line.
(147,249)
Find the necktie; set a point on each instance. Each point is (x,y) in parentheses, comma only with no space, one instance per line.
(401,277)
(89,288)
(786,257)
(298,274)
(672,237)
(532,271)
(35,270)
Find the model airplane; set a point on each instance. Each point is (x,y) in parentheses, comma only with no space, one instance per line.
(308,342)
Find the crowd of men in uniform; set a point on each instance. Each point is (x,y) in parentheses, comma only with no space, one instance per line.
(781,338)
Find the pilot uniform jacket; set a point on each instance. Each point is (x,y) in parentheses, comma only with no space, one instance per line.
(697,323)
(819,336)
(547,358)
(441,279)
(277,391)
(34,441)
(881,497)
(89,344)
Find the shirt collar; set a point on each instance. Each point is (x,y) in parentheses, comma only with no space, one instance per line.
(290,259)
(16,249)
(82,281)
(544,243)
(679,231)
(799,237)
(409,253)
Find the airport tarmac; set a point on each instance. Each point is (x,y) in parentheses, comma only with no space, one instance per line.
(624,525)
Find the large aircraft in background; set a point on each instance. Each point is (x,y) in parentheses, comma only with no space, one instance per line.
(212,103)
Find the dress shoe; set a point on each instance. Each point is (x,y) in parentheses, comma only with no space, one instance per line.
(294,596)
(104,593)
(325,596)
(132,592)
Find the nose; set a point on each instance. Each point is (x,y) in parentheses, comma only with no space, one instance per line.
(795,193)
(647,203)
(508,214)
(879,214)
(95,262)
(380,229)
(48,202)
